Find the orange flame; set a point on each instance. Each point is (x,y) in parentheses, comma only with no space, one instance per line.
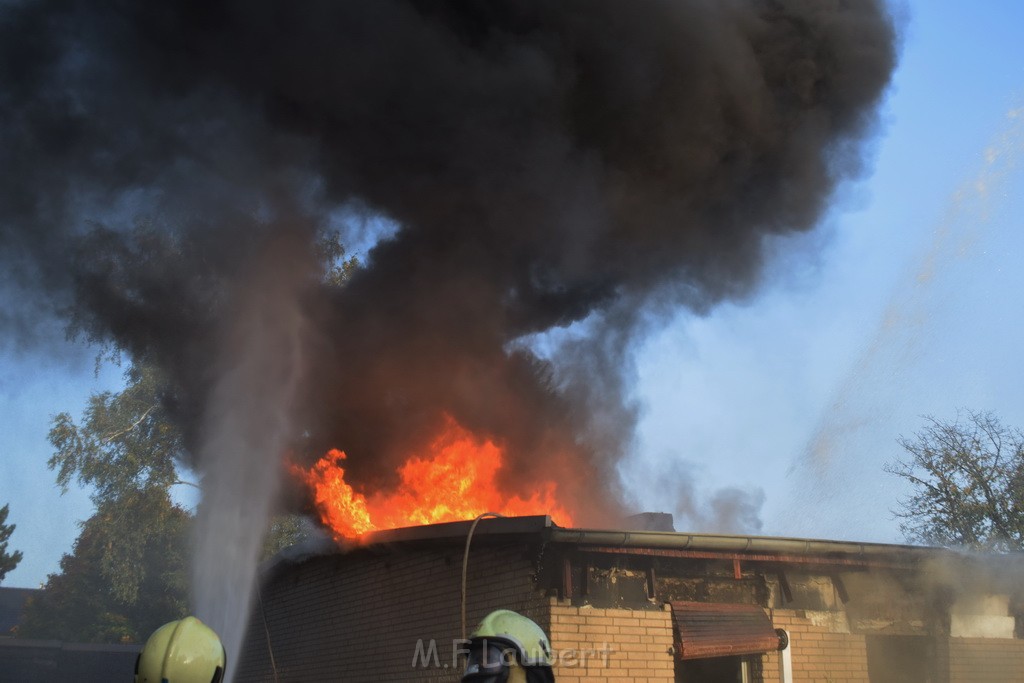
(456,481)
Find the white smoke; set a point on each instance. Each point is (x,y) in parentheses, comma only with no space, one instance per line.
(247,429)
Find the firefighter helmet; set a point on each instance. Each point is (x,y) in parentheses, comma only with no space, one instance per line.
(508,647)
(182,651)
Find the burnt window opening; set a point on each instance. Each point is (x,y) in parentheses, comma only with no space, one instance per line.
(740,669)
(901,659)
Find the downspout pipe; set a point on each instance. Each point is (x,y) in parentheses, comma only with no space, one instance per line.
(786,661)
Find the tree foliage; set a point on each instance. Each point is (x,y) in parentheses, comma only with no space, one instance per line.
(285,530)
(967,482)
(336,268)
(8,560)
(128,570)
(125,449)
(81,604)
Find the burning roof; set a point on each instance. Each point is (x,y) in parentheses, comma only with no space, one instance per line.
(455,480)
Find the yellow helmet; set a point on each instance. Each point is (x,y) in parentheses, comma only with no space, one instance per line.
(508,647)
(183,651)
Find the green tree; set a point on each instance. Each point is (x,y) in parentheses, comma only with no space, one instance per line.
(126,449)
(80,604)
(336,268)
(285,530)
(967,483)
(127,572)
(8,560)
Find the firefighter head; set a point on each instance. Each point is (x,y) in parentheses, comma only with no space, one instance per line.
(183,651)
(508,648)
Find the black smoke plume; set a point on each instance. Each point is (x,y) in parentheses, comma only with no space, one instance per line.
(546,163)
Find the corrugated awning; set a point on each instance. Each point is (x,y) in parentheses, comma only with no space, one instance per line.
(710,629)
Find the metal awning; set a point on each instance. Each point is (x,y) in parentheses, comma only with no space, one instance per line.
(714,629)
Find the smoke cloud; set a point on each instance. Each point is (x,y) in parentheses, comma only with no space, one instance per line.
(546,163)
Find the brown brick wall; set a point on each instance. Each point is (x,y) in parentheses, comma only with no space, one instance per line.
(358,617)
(985,660)
(637,642)
(819,654)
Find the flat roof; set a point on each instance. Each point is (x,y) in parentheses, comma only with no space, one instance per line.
(669,544)
(543,525)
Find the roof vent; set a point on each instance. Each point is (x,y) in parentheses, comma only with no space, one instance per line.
(649,521)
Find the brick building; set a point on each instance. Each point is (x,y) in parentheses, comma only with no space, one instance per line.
(640,606)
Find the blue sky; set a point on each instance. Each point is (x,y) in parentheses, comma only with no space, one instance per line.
(906,301)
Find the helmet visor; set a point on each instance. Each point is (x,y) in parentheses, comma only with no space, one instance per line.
(487,663)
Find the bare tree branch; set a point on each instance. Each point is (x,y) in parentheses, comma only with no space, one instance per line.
(967,483)
(110,437)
